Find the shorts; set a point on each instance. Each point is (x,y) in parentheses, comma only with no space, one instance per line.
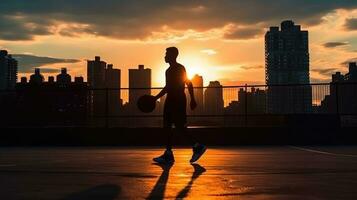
(175,111)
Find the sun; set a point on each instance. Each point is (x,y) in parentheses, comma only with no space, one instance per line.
(194,65)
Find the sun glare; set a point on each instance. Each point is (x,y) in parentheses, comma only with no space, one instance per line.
(194,65)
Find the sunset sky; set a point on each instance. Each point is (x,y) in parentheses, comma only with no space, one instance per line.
(218,39)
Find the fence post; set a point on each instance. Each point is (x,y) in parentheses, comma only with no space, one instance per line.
(246,105)
(106,107)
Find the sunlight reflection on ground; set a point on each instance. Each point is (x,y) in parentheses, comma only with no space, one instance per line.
(222,173)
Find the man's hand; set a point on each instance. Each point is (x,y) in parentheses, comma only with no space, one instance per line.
(161,93)
(193,104)
(156,97)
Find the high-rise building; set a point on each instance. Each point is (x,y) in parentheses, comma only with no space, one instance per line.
(139,83)
(286,63)
(37,78)
(96,81)
(51,80)
(253,102)
(351,76)
(105,80)
(63,78)
(96,73)
(213,99)
(258,101)
(112,79)
(197,83)
(23,80)
(8,71)
(342,97)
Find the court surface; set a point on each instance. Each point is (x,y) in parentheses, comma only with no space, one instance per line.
(284,172)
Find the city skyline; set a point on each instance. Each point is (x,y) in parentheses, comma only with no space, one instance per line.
(102,100)
(212,43)
(287,61)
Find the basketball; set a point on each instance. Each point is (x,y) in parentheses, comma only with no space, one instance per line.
(146,103)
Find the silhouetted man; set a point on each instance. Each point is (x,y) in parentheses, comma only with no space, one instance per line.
(175,106)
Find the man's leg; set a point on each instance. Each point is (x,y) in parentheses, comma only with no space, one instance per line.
(180,121)
(182,129)
(167,124)
(198,149)
(167,157)
(169,132)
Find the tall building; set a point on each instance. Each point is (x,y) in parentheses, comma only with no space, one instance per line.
(253,102)
(112,79)
(96,81)
(139,78)
(8,71)
(287,62)
(197,82)
(342,97)
(63,78)
(258,102)
(96,73)
(36,78)
(23,80)
(213,99)
(106,100)
(51,80)
(351,76)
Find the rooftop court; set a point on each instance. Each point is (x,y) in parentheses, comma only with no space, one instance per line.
(261,172)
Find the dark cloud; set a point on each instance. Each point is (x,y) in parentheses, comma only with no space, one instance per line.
(325,71)
(127,19)
(351,24)
(244,33)
(20,28)
(27,63)
(48,70)
(335,44)
(74,31)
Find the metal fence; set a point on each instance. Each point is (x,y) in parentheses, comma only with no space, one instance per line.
(323,104)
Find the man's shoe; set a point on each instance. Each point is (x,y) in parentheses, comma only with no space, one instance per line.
(166,158)
(198,151)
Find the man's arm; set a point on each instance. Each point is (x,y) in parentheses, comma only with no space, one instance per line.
(193,103)
(161,93)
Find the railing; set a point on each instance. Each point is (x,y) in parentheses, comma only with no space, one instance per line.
(322,104)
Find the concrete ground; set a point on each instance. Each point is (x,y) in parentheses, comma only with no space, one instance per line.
(286,172)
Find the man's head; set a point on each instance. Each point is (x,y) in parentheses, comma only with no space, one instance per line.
(171,54)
